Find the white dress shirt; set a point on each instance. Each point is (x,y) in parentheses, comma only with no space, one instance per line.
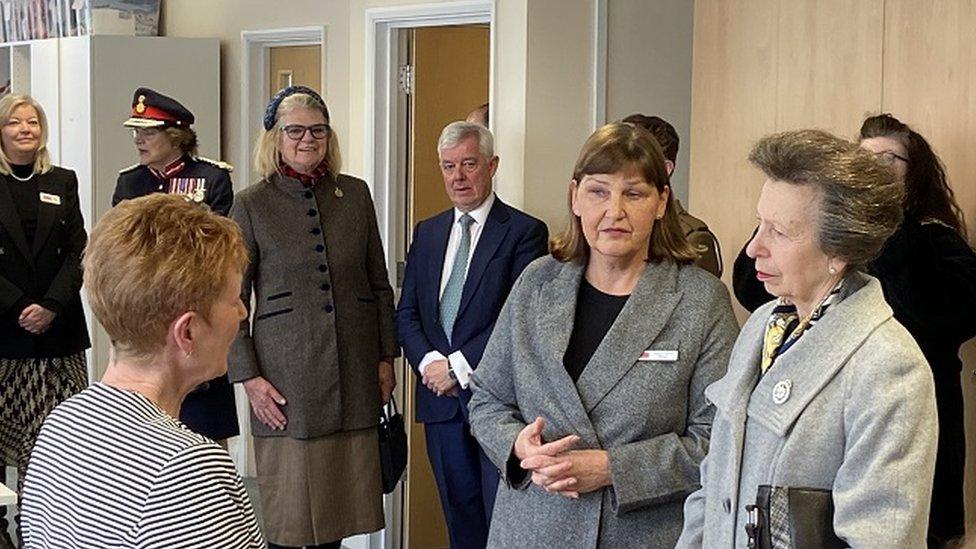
(462,369)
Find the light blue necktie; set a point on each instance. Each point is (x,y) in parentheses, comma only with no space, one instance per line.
(451,300)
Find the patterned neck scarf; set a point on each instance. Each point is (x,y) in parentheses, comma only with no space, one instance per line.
(308,180)
(785,326)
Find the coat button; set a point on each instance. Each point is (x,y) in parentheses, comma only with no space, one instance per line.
(781,391)
(727,505)
(312,212)
(316,230)
(320,248)
(323,268)
(325,287)
(308,194)
(2,251)
(327,308)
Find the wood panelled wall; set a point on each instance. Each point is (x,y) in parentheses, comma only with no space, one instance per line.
(761,66)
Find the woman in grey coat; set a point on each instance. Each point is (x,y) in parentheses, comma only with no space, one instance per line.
(316,360)
(825,390)
(589,398)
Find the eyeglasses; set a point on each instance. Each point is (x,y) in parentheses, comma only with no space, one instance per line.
(296,132)
(889,157)
(145,133)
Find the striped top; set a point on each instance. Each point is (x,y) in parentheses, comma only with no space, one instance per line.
(111,469)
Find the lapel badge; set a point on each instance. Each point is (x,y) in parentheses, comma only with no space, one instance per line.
(141,104)
(338,192)
(781,391)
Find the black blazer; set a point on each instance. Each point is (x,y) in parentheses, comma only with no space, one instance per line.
(49,269)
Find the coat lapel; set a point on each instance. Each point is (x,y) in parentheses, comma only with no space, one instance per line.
(47,213)
(637,326)
(494,231)
(11,221)
(830,342)
(441,228)
(554,326)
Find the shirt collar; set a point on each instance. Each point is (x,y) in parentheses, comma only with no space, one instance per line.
(479,214)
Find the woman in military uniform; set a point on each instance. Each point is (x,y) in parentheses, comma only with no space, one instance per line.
(168,163)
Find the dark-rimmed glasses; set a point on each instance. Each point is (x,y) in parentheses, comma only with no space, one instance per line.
(296,132)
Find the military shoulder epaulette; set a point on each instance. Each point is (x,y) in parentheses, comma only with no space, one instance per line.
(218,163)
(129,169)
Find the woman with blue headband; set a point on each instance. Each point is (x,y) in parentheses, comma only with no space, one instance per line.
(315,355)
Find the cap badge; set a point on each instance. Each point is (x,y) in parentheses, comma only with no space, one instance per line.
(141,105)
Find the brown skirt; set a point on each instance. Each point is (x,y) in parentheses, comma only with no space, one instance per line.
(319,490)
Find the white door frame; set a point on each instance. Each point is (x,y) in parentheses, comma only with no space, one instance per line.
(381,88)
(382,156)
(254,79)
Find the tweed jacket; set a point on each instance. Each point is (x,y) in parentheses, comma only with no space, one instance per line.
(859,419)
(317,265)
(647,410)
(46,271)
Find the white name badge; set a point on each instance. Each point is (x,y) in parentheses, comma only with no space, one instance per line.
(51,199)
(658,356)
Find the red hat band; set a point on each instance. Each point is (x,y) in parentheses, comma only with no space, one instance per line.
(154,113)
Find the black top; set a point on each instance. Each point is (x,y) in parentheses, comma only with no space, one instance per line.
(25,195)
(595,314)
(928,274)
(46,271)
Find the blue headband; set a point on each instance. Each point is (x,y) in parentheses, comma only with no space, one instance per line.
(272,110)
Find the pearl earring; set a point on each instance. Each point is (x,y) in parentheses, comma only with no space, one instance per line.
(832,271)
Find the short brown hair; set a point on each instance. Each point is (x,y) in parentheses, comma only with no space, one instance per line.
(616,148)
(662,131)
(152,259)
(184,139)
(861,204)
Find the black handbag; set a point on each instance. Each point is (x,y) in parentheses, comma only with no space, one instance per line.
(393,446)
(787,517)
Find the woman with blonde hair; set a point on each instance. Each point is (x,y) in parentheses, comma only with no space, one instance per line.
(43,335)
(316,358)
(590,396)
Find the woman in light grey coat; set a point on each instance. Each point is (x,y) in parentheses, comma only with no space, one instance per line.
(825,389)
(589,398)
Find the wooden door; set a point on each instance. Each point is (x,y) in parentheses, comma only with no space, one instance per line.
(450,72)
(294,66)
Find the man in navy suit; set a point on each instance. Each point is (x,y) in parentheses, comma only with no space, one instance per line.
(460,267)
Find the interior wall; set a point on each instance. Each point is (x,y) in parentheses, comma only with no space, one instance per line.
(225,19)
(649,47)
(769,65)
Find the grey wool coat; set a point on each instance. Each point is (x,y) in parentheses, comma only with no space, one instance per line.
(859,420)
(323,304)
(649,415)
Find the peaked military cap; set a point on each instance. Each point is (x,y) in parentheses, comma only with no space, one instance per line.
(151,109)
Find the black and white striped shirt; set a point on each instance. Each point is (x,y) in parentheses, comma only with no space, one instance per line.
(111,469)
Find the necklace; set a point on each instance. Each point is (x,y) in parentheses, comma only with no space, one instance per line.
(22,179)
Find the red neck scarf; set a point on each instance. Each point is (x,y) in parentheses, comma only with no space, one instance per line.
(308,180)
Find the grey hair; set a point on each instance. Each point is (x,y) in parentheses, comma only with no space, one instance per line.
(455,132)
(861,203)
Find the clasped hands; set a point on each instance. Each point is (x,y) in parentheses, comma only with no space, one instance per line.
(36,319)
(556,467)
(438,379)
